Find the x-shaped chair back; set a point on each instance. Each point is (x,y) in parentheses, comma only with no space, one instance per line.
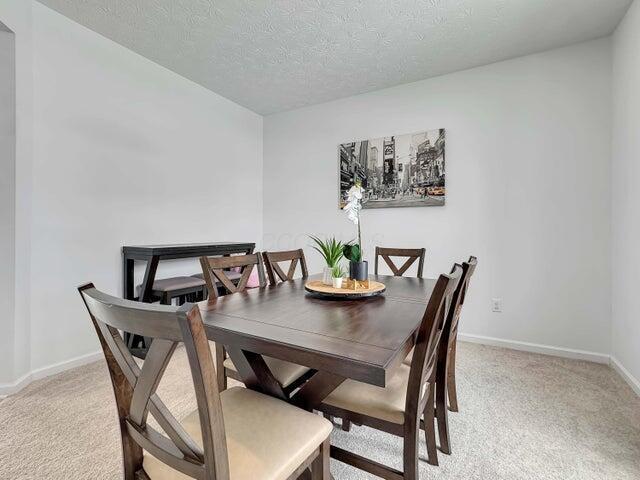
(411,255)
(468,269)
(135,387)
(428,340)
(274,270)
(216,269)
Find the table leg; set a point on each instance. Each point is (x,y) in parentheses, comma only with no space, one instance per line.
(127,287)
(149,277)
(132,341)
(255,373)
(312,393)
(306,475)
(127,277)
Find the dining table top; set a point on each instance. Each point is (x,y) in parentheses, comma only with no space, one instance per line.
(361,339)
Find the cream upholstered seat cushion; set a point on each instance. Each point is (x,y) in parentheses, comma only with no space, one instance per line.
(384,403)
(409,359)
(284,372)
(267,439)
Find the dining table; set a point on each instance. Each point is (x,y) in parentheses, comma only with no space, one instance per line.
(359,339)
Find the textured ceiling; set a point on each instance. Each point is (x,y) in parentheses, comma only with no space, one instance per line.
(275,55)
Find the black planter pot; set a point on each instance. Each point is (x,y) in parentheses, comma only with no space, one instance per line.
(359,270)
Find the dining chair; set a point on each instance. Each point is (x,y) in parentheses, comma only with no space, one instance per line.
(409,394)
(411,255)
(446,374)
(451,346)
(217,272)
(238,434)
(273,259)
(289,375)
(232,275)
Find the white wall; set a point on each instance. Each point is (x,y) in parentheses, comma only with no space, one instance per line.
(625,220)
(528,148)
(7,200)
(16,15)
(125,152)
(103,140)
(103,137)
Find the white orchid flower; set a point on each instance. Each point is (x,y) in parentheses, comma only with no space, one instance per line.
(355,192)
(352,215)
(353,207)
(354,204)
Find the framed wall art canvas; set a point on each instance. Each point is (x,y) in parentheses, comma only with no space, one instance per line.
(397,171)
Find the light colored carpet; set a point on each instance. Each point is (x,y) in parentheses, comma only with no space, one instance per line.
(523,416)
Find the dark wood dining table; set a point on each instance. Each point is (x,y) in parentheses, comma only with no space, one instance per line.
(363,340)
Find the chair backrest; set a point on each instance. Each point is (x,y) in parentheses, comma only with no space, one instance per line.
(411,255)
(135,387)
(430,332)
(215,269)
(467,272)
(274,271)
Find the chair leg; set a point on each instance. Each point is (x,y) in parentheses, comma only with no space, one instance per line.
(442,413)
(410,451)
(443,418)
(346,425)
(320,465)
(221,376)
(451,377)
(429,427)
(166,298)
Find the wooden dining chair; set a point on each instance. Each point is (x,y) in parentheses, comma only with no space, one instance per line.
(289,375)
(239,433)
(409,395)
(452,340)
(445,375)
(411,255)
(275,272)
(217,271)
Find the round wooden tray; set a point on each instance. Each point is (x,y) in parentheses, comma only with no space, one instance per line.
(319,289)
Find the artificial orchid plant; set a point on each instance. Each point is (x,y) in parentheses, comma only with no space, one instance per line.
(353,251)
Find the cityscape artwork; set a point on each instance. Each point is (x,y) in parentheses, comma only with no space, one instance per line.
(399,171)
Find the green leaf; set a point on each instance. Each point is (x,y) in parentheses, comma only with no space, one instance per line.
(357,254)
(331,249)
(352,252)
(346,251)
(337,271)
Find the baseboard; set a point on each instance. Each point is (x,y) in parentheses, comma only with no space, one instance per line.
(626,375)
(537,348)
(39,373)
(7,389)
(12,388)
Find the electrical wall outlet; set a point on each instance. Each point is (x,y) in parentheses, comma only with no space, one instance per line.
(496,305)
